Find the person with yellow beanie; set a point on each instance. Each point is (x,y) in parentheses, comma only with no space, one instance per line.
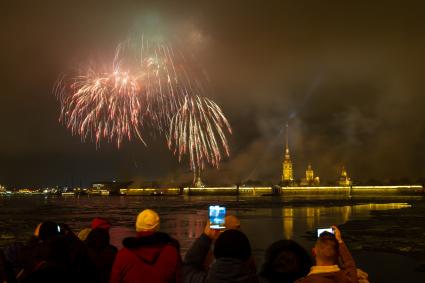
(147,220)
(151,256)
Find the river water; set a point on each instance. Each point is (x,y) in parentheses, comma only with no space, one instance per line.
(263,219)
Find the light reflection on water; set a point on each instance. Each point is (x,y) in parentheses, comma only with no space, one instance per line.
(266,225)
(264,220)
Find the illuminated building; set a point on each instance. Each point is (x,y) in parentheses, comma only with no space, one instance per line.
(198,183)
(309,174)
(344,180)
(106,188)
(309,179)
(287,172)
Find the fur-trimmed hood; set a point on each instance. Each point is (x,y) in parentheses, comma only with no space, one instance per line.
(148,247)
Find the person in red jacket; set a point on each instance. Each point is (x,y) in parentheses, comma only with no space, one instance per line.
(151,256)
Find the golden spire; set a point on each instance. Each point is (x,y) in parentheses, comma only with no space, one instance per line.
(287,173)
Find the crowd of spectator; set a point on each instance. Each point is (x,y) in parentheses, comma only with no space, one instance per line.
(56,254)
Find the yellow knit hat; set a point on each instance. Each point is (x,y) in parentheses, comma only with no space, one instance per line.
(147,220)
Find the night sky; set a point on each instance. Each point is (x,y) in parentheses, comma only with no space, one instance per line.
(348,78)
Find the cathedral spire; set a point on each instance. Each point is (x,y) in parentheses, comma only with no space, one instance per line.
(287,174)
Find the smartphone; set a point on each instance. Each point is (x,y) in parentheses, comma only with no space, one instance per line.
(217,214)
(321,230)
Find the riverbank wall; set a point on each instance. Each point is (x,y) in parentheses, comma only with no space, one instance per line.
(275,190)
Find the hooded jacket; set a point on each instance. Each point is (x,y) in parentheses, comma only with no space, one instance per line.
(223,270)
(152,257)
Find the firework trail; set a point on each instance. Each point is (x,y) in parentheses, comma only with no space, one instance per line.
(198,129)
(148,90)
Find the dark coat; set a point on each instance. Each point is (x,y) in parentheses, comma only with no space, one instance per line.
(150,257)
(50,262)
(101,253)
(222,270)
(60,258)
(285,262)
(6,271)
(79,261)
(20,256)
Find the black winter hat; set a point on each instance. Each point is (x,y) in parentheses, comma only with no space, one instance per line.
(234,244)
(48,229)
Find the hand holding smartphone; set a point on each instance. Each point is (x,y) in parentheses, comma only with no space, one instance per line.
(217,214)
(321,230)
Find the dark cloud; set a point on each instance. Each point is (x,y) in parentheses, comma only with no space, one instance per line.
(347,76)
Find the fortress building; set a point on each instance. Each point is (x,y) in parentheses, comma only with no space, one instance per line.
(309,174)
(287,172)
(344,180)
(309,179)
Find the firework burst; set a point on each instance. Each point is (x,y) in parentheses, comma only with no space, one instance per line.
(102,106)
(148,86)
